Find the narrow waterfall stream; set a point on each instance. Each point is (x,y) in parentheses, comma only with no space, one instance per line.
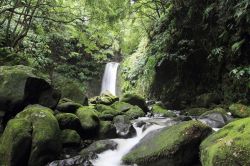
(114,157)
(109,77)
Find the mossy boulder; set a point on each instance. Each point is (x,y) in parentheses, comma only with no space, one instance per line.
(46,143)
(99,147)
(228,146)
(15,143)
(176,145)
(68,121)
(135,112)
(20,86)
(194,111)
(107,130)
(107,112)
(70,138)
(67,105)
(239,110)
(105,98)
(89,121)
(124,127)
(157,109)
(135,100)
(121,106)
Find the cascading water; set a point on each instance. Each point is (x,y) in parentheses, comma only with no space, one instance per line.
(109,78)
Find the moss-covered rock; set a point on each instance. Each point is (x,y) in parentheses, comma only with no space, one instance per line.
(176,145)
(15,143)
(107,112)
(239,110)
(228,146)
(89,121)
(135,100)
(70,138)
(105,98)
(67,105)
(157,109)
(124,127)
(194,111)
(121,106)
(207,99)
(46,143)
(135,112)
(106,130)
(68,121)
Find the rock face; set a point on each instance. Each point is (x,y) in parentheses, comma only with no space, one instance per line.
(136,100)
(228,146)
(239,110)
(123,126)
(176,145)
(20,86)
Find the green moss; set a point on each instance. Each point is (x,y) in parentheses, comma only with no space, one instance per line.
(157,109)
(88,118)
(175,145)
(121,106)
(70,137)
(105,98)
(106,130)
(68,121)
(16,143)
(46,143)
(135,112)
(195,111)
(228,146)
(239,110)
(135,100)
(67,105)
(215,110)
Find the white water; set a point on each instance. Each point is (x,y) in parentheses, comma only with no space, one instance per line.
(114,157)
(109,78)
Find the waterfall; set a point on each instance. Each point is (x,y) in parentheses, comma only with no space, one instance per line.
(109,77)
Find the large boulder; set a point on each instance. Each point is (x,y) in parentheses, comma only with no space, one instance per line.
(20,86)
(159,110)
(46,143)
(239,110)
(78,160)
(176,145)
(68,121)
(89,121)
(228,146)
(124,127)
(107,112)
(136,100)
(15,143)
(70,138)
(121,106)
(135,112)
(106,130)
(67,105)
(105,98)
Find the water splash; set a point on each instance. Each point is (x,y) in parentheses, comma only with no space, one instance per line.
(109,77)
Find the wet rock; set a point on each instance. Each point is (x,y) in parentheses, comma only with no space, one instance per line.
(158,109)
(140,123)
(123,126)
(176,145)
(74,161)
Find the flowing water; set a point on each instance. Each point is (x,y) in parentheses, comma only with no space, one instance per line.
(109,77)
(114,157)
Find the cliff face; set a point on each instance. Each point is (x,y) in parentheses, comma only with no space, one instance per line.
(198,48)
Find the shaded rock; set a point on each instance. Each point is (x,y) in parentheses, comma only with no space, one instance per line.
(16,143)
(157,109)
(121,106)
(67,105)
(70,138)
(74,161)
(176,145)
(228,146)
(99,147)
(123,126)
(140,123)
(107,112)
(135,100)
(46,144)
(207,99)
(194,111)
(68,121)
(106,130)
(239,110)
(105,98)
(89,121)
(135,112)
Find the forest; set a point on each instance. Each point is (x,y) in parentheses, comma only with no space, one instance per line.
(119,83)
